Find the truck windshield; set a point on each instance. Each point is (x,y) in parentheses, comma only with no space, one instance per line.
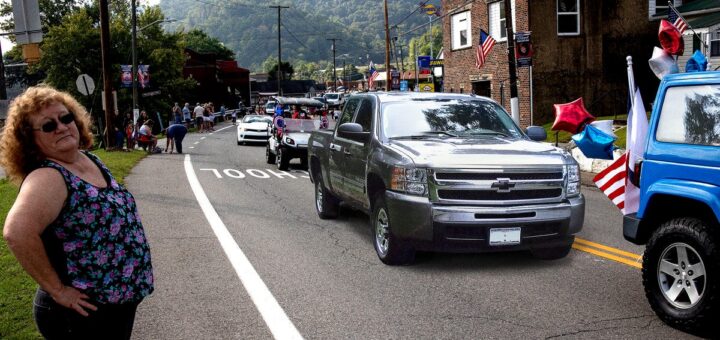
(447,117)
(331,96)
(301,125)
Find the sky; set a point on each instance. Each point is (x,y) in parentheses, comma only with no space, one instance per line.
(7,45)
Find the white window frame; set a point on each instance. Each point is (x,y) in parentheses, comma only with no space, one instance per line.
(714,36)
(495,21)
(558,14)
(459,22)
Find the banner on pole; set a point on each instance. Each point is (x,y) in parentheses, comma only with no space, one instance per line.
(143,76)
(125,75)
(523,49)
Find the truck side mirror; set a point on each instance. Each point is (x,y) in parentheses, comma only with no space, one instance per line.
(353,131)
(536,133)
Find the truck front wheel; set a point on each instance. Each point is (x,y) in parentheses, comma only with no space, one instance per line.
(389,249)
(680,272)
(325,203)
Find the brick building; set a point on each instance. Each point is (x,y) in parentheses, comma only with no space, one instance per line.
(579,50)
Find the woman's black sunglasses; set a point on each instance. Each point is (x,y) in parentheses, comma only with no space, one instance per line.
(52,125)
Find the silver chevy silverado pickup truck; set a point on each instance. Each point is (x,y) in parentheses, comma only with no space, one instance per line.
(446,172)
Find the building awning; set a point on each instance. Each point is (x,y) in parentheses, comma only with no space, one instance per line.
(704,21)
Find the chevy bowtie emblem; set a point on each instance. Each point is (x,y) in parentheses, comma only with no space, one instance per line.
(503,185)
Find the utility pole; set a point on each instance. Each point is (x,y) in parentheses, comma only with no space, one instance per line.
(107,81)
(514,105)
(133,47)
(387,49)
(3,90)
(334,70)
(279,72)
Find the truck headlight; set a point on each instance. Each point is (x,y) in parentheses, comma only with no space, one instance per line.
(573,180)
(573,173)
(411,181)
(242,129)
(289,140)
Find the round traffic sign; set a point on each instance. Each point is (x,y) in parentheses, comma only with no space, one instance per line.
(85,84)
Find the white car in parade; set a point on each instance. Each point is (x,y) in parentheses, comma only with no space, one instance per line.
(254,128)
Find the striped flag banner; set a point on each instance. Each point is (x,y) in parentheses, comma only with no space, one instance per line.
(677,20)
(611,181)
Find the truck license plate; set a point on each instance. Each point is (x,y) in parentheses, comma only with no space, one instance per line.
(504,236)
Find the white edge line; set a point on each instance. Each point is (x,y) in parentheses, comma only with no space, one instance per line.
(280,325)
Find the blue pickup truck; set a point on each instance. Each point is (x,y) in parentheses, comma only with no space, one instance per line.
(679,212)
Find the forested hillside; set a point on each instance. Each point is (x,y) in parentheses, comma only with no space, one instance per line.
(249,28)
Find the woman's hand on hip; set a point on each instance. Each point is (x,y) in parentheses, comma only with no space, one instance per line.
(72,298)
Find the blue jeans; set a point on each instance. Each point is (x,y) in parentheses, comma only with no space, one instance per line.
(57,322)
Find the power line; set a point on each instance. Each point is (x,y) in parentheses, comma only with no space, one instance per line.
(294,37)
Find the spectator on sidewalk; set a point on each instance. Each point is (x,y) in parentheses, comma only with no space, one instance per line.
(186,113)
(177,114)
(146,139)
(198,112)
(73,228)
(175,134)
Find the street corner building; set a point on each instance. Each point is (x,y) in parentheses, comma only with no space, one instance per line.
(579,49)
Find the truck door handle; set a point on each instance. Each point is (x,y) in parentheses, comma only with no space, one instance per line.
(335,147)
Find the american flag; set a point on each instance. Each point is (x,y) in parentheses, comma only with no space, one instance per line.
(483,49)
(611,181)
(676,19)
(373,74)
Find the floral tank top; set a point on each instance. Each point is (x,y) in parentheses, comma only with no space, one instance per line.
(97,244)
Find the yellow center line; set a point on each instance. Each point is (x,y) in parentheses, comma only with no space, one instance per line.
(617,255)
(632,256)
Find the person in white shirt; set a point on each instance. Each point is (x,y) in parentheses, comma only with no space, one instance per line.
(198,112)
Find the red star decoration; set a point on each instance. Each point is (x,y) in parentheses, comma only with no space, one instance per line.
(571,117)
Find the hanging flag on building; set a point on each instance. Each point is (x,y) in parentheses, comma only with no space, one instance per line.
(483,49)
(373,74)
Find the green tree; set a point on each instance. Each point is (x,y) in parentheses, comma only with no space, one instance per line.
(200,41)
(286,69)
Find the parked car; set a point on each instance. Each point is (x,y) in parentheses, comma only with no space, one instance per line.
(254,128)
(446,172)
(678,218)
(335,98)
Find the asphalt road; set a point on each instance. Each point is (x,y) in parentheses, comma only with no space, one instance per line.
(328,281)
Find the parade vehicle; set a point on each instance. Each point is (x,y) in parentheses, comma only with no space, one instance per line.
(291,140)
(678,219)
(446,172)
(254,128)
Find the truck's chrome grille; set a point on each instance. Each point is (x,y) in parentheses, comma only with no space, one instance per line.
(497,186)
(460,176)
(488,195)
